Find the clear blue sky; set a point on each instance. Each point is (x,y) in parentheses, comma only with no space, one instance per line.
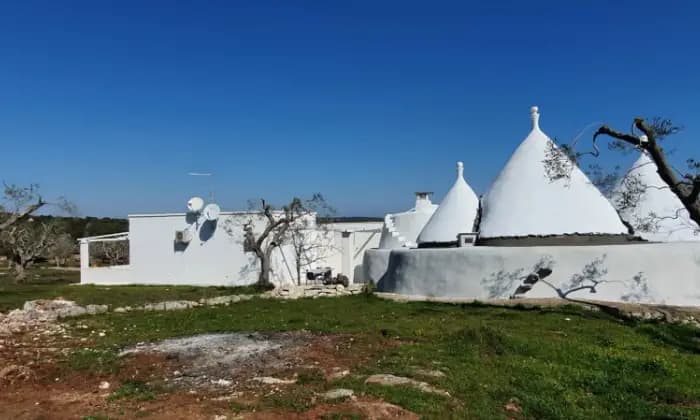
(112,103)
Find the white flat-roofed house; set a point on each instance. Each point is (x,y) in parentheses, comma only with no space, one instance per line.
(181,249)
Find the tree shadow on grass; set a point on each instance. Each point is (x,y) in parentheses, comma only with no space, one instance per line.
(683,337)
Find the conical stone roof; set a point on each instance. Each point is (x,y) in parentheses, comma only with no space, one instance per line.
(654,211)
(455,215)
(524,201)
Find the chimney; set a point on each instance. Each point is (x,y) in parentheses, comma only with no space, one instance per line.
(423,200)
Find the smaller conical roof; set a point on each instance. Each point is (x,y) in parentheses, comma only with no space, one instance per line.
(654,211)
(455,215)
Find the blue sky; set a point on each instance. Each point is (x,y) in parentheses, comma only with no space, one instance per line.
(112,103)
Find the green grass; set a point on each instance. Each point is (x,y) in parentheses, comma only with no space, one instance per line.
(133,390)
(559,363)
(52,284)
(92,360)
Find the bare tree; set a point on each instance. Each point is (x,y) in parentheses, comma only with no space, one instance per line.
(63,247)
(278,223)
(647,136)
(18,203)
(28,241)
(312,242)
(111,252)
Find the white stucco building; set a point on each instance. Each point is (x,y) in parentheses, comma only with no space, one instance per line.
(215,254)
(529,221)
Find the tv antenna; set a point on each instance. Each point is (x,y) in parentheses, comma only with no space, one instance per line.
(204,174)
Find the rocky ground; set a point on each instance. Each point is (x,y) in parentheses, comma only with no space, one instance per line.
(200,377)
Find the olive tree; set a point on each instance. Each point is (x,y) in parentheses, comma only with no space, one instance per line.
(280,225)
(647,136)
(28,241)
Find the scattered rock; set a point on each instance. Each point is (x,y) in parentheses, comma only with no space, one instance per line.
(104,385)
(338,374)
(513,406)
(383,410)
(269,380)
(312,291)
(392,380)
(96,309)
(14,373)
(220,300)
(338,393)
(160,306)
(178,305)
(222,382)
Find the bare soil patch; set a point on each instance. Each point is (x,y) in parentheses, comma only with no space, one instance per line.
(198,377)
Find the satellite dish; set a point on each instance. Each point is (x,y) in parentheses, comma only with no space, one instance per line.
(195,205)
(211,212)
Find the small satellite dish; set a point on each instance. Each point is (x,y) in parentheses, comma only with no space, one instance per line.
(211,212)
(195,205)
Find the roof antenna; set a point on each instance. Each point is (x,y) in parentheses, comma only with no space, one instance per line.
(204,174)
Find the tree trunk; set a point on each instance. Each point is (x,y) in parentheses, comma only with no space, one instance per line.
(20,273)
(264,276)
(298,270)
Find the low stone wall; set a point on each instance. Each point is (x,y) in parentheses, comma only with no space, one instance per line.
(312,291)
(662,273)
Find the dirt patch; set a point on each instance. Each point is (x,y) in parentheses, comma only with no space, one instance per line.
(366,408)
(265,375)
(225,361)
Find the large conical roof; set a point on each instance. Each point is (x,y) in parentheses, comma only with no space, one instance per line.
(654,211)
(524,201)
(455,215)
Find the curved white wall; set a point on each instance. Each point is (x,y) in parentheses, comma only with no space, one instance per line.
(495,272)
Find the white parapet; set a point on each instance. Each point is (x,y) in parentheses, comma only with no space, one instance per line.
(639,273)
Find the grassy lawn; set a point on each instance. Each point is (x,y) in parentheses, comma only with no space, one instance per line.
(558,363)
(45,283)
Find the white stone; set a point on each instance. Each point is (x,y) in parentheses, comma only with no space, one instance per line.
(269,380)
(523,201)
(222,382)
(338,393)
(392,380)
(96,309)
(176,305)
